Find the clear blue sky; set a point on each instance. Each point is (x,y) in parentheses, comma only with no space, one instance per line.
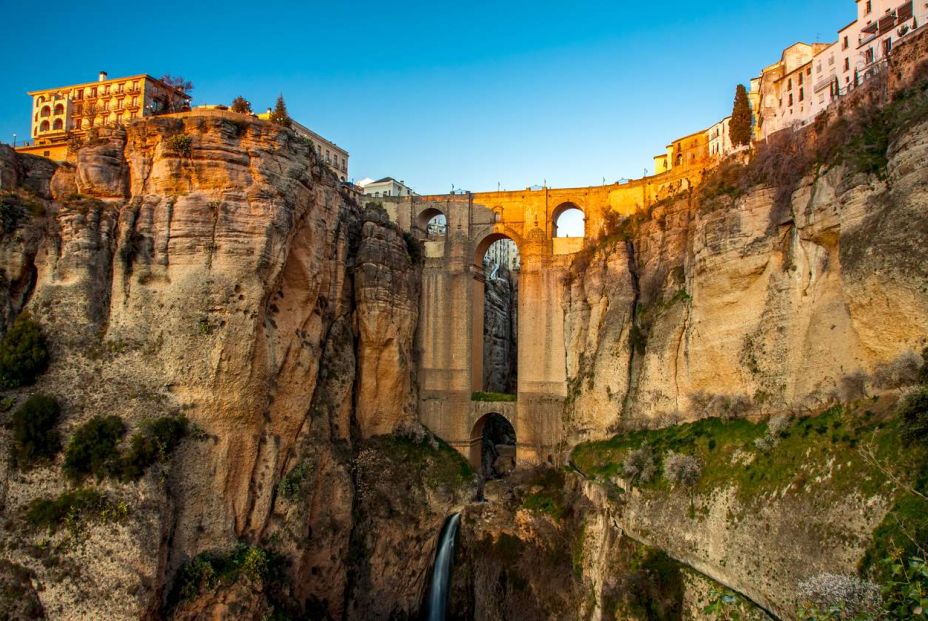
(472,95)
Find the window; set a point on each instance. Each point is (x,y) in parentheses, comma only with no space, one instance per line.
(46,111)
(44,126)
(790,99)
(868,8)
(58,125)
(59,109)
(800,78)
(844,44)
(887,46)
(847,64)
(868,55)
(93,91)
(802,94)
(789,84)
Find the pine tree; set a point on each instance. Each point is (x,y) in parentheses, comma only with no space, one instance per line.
(279,115)
(241,105)
(740,126)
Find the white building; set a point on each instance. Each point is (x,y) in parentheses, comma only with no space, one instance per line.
(719,139)
(388,186)
(786,88)
(863,46)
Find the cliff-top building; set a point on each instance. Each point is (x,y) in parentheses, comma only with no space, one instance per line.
(63,112)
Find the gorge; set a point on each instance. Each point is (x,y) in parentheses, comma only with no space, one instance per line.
(273,394)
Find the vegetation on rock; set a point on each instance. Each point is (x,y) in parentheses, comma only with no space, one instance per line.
(23,353)
(279,114)
(241,105)
(35,431)
(181,144)
(209,569)
(93,450)
(152,443)
(94,447)
(492,396)
(72,507)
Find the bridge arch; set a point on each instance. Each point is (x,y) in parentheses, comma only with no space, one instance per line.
(492,436)
(568,220)
(433,222)
(484,243)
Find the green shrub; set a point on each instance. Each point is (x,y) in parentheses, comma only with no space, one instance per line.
(914,413)
(35,435)
(52,513)
(208,570)
(23,353)
(492,396)
(182,144)
(92,449)
(156,439)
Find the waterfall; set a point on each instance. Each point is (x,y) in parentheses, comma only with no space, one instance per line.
(435,606)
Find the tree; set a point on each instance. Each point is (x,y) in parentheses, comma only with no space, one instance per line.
(241,105)
(740,127)
(178,82)
(183,87)
(279,115)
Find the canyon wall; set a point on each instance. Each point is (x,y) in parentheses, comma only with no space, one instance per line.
(728,307)
(209,265)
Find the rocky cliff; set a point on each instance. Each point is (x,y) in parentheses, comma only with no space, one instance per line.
(210,266)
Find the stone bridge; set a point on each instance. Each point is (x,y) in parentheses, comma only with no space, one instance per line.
(450,337)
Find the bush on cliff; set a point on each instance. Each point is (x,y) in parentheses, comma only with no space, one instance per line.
(72,507)
(156,439)
(181,144)
(640,466)
(208,569)
(93,448)
(23,353)
(914,412)
(35,433)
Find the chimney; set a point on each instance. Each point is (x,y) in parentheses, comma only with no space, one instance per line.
(101,77)
(269,110)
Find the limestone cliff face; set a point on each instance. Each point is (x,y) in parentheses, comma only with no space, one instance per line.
(744,309)
(209,265)
(716,310)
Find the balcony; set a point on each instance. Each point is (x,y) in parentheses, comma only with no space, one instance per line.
(824,83)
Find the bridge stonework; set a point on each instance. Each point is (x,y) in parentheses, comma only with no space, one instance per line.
(450,335)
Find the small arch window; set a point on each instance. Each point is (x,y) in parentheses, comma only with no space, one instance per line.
(44,126)
(59,109)
(46,111)
(569,221)
(58,124)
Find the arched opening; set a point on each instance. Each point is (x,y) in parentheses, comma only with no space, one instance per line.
(569,221)
(46,111)
(433,223)
(58,124)
(496,327)
(44,126)
(493,446)
(59,109)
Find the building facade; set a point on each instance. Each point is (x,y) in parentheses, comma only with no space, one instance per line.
(719,139)
(786,89)
(59,114)
(388,186)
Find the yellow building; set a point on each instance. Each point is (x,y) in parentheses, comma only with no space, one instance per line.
(58,114)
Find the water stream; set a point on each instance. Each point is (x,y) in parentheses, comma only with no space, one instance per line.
(435,606)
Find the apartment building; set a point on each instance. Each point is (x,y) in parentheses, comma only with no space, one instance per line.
(335,157)
(66,111)
(388,186)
